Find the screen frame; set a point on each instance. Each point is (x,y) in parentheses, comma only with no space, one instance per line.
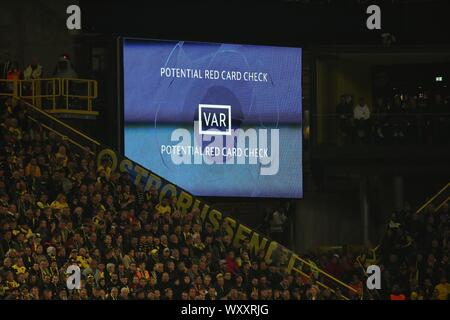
(121,113)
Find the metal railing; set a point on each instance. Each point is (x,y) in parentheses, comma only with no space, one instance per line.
(54,95)
(77,138)
(324,279)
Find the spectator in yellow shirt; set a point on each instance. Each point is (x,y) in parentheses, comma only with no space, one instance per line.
(61,154)
(19,267)
(83,259)
(163,207)
(106,168)
(443,289)
(43,201)
(33,71)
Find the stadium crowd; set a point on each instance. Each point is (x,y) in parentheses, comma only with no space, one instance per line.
(58,208)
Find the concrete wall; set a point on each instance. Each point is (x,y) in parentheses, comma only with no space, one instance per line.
(327,218)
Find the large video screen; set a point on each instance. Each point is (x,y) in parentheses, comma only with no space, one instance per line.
(216,119)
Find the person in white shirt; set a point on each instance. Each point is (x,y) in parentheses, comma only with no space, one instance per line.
(33,72)
(361,115)
(361,111)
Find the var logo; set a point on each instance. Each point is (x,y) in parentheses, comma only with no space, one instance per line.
(214,119)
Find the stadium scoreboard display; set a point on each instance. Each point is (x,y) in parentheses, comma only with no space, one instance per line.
(215,119)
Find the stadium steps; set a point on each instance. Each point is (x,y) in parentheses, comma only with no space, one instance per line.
(286,258)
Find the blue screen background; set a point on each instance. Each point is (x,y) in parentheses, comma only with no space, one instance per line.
(155,106)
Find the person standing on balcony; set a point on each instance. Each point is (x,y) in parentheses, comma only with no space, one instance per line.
(33,88)
(439,119)
(64,68)
(380,119)
(344,113)
(361,115)
(65,71)
(14,72)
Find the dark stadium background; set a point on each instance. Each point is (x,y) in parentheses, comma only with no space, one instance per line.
(350,191)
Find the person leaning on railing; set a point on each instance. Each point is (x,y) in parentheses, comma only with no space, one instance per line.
(33,71)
